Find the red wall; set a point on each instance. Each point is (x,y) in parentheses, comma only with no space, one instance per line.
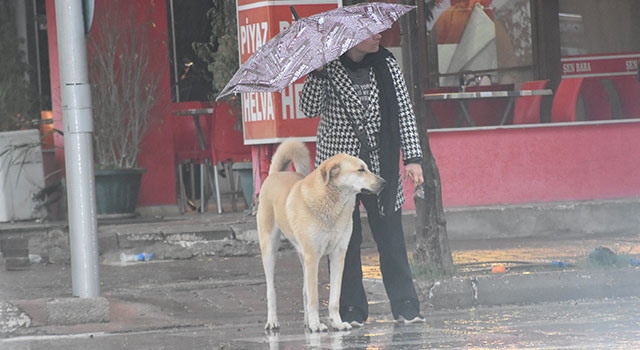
(535,164)
(157,155)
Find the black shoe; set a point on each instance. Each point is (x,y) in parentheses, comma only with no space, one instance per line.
(409,313)
(354,317)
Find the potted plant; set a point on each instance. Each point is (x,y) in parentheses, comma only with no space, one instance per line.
(124,91)
(21,170)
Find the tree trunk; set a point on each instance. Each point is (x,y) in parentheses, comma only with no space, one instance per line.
(432,251)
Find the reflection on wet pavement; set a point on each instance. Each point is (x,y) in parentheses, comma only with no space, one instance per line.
(571,325)
(516,252)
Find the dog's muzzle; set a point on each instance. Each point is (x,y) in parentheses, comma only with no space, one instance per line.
(376,188)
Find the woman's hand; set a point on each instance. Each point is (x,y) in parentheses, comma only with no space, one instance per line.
(414,172)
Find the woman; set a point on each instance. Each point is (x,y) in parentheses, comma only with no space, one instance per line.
(365,111)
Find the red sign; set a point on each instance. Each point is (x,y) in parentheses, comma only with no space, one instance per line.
(600,65)
(272,117)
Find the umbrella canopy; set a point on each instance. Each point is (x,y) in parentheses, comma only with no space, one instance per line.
(310,43)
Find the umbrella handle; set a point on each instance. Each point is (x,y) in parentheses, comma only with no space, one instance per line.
(294,13)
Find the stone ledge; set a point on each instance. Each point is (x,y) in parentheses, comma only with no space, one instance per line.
(72,311)
(464,292)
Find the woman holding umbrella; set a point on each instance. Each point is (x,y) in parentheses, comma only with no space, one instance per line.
(365,111)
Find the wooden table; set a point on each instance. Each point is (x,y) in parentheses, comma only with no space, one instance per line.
(195,114)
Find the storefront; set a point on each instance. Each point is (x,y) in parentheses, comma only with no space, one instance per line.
(536,155)
(592,152)
(583,143)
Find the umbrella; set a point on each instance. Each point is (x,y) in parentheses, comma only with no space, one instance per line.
(310,43)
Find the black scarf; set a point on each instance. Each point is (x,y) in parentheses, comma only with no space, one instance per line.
(390,131)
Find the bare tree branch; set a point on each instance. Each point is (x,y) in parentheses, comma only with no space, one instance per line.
(124,88)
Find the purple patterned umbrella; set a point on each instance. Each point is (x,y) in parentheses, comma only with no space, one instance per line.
(310,43)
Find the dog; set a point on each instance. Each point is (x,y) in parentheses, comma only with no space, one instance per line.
(314,212)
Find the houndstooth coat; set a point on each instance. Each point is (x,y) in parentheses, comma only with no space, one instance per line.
(335,133)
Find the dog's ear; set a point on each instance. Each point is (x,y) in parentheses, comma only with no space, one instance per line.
(330,171)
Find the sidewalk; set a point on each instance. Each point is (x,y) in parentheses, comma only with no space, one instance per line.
(208,265)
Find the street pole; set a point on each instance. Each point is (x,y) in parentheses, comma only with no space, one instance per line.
(77,118)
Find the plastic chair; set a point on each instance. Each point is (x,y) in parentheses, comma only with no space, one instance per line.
(594,98)
(227,148)
(628,89)
(597,105)
(189,153)
(487,112)
(527,108)
(563,108)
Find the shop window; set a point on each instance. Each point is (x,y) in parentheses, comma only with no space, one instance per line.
(598,27)
(488,39)
(600,50)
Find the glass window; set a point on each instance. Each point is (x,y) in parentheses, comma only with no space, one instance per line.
(599,43)
(474,39)
(597,27)
(188,23)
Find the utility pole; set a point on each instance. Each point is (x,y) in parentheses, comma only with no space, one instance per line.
(77,117)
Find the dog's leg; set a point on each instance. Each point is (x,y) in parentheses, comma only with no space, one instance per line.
(269,247)
(305,297)
(336,267)
(311,262)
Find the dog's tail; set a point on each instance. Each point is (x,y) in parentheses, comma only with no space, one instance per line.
(291,151)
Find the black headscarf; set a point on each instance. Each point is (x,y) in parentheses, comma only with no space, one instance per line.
(389,127)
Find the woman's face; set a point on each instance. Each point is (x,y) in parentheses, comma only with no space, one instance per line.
(369,45)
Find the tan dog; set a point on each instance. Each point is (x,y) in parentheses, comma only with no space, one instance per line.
(314,212)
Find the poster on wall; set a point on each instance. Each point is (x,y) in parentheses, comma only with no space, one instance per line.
(490,37)
(270,117)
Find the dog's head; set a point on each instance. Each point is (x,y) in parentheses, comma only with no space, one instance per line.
(350,173)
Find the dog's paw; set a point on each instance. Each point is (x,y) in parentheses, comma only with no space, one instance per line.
(341,326)
(318,327)
(272,326)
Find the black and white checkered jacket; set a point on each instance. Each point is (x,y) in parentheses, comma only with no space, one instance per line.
(335,133)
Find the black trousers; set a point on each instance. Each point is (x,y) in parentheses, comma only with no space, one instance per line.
(394,264)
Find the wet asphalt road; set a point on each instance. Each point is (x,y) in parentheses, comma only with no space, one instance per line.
(219,303)
(611,324)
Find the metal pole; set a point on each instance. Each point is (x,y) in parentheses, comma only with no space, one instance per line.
(78,148)
(173,49)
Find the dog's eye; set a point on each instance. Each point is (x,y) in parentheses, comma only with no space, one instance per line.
(361,169)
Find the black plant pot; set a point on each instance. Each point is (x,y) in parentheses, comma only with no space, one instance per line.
(117,191)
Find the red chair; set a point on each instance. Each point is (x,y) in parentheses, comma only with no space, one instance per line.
(488,112)
(527,108)
(566,97)
(628,89)
(227,148)
(597,105)
(594,99)
(190,154)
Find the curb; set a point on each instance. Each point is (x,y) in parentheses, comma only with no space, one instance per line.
(115,238)
(72,311)
(531,288)
(52,312)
